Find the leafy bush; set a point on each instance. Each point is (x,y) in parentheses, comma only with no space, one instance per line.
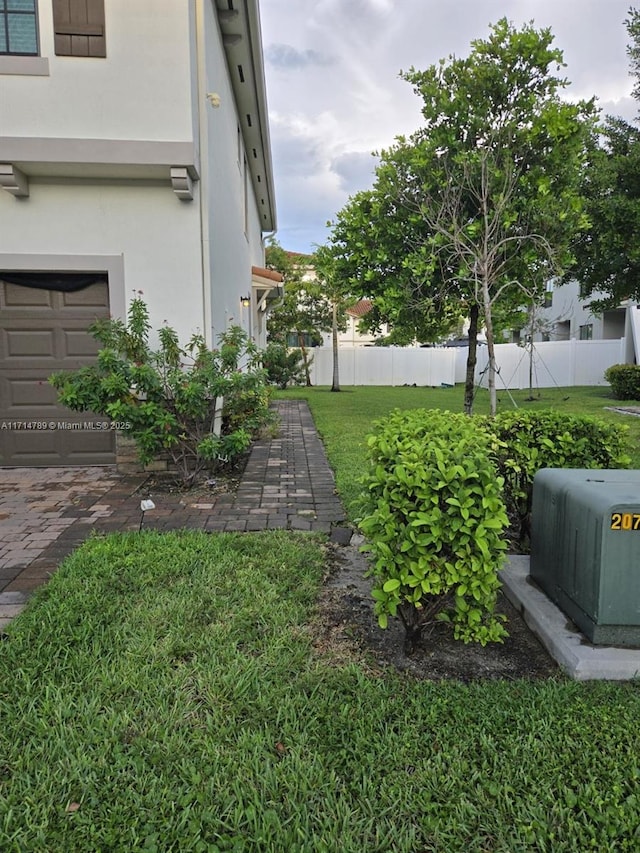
(284,367)
(170,397)
(624,380)
(434,520)
(525,442)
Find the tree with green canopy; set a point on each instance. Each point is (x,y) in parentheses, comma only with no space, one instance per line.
(335,289)
(302,310)
(315,300)
(476,210)
(608,252)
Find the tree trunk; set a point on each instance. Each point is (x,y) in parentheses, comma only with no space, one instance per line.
(305,358)
(532,317)
(469,386)
(488,323)
(335,385)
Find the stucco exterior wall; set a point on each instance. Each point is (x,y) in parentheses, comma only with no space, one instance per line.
(70,218)
(352,337)
(568,313)
(566,306)
(192,259)
(139,91)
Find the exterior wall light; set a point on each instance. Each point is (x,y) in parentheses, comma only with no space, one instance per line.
(245,301)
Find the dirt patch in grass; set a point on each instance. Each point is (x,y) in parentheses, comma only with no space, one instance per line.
(346,629)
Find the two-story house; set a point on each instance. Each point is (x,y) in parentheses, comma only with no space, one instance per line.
(134,158)
(566,316)
(352,335)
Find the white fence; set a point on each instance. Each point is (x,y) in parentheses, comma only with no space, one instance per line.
(555,363)
(562,363)
(385,366)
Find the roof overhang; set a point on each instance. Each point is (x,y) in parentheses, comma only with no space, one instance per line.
(266,285)
(239,22)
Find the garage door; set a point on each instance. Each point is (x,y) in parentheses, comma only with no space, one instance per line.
(41,332)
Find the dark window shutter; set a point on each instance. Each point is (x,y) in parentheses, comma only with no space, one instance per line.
(78,27)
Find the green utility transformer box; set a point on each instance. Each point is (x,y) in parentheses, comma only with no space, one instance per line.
(585,549)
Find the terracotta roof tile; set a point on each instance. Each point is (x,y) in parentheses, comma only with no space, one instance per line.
(361,308)
(263,272)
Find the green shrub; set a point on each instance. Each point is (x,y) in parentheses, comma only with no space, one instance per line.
(169,397)
(624,380)
(434,520)
(527,441)
(284,367)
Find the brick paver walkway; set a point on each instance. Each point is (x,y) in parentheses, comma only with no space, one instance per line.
(287,484)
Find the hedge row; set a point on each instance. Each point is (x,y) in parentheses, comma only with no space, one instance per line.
(441,494)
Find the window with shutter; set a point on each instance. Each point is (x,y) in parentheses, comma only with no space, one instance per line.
(79,28)
(18,28)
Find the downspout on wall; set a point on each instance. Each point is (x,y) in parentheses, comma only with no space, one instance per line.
(203,138)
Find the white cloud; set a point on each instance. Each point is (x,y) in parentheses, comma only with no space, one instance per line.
(334,92)
(356,170)
(286,56)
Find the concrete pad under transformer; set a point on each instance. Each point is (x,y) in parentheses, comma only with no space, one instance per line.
(575,655)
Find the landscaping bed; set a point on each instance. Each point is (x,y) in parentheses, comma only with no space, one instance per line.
(224,481)
(347,629)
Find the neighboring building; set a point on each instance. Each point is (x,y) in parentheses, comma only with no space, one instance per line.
(134,156)
(352,336)
(566,317)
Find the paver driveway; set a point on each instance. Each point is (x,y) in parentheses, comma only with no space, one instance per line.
(38,504)
(47,512)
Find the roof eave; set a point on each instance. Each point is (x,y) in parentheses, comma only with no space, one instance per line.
(250,94)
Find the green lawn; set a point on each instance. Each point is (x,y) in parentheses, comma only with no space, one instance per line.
(344,419)
(162,694)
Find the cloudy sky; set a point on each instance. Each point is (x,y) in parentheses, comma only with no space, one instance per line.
(335,96)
